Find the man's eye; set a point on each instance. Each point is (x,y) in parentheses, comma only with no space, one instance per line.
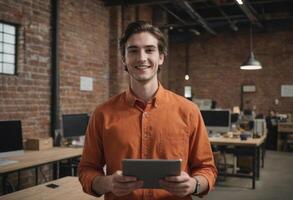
(150,50)
(132,51)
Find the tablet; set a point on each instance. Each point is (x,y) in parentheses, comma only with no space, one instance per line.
(150,170)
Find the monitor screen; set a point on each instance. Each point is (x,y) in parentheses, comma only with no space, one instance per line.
(217,120)
(10,138)
(74,125)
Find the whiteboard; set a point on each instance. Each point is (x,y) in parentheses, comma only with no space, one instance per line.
(286,90)
(248,88)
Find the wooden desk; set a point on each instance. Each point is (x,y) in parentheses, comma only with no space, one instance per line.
(284,130)
(237,142)
(69,188)
(34,159)
(254,143)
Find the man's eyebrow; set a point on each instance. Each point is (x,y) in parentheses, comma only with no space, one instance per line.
(132,47)
(150,46)
(147,46)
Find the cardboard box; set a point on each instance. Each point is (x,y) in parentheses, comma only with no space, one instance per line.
(39,143)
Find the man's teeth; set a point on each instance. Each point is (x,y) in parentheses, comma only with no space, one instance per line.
(142,67)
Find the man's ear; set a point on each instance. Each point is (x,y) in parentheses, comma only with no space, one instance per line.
(123,60)
(161,58)
(124,63)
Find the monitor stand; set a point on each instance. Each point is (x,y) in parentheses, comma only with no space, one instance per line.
(4,162)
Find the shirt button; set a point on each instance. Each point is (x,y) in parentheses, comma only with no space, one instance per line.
(145,135)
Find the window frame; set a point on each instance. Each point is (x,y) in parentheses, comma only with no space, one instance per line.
(16,26)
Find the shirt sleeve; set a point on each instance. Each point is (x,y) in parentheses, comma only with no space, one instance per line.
(92,160)
(201,160)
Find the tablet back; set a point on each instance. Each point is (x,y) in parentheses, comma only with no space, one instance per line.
(150,170)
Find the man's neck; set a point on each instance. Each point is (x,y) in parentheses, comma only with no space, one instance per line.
(144,91)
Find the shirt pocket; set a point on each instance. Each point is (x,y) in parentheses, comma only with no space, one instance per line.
(174,143)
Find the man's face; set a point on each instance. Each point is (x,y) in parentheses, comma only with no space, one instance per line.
(142,57)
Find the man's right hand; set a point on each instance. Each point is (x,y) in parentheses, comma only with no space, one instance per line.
(116,183)
(123,185)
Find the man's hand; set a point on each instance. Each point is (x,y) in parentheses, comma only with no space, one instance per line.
(123,185)
(180,186)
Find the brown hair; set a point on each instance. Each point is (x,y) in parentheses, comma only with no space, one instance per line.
(142,26)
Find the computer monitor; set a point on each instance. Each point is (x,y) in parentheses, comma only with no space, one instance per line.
(74,125)
(10,138)
(217,121)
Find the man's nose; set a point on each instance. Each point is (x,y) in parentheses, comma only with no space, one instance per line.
(142,56)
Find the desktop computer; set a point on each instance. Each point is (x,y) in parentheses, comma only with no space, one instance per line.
(217,121)
(74,128)
(10,141)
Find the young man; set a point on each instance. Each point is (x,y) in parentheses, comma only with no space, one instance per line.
(146,122)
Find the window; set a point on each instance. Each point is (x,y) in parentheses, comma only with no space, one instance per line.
(7,48)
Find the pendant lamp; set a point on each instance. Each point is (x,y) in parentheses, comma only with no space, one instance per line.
(186,61)
(251,63)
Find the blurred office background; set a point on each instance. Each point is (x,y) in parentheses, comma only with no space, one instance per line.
(60,58)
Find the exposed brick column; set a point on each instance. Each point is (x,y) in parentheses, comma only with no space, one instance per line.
(117,76)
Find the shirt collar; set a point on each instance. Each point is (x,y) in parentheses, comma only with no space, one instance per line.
(156,100)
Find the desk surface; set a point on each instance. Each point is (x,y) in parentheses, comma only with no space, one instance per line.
(69,188)
(237,142)
(35,158)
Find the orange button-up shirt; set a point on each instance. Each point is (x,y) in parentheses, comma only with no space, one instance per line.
(169,127)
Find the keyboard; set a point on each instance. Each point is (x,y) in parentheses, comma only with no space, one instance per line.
(7,162)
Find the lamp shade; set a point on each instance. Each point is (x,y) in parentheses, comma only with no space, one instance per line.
(251,63)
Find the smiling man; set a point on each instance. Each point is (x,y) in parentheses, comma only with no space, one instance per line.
(146,122)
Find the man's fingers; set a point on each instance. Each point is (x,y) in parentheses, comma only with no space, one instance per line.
(180,186)
(121,189)
(181,178)
(118,177)
(128,185)
(123,185)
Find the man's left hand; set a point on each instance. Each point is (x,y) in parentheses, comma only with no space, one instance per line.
(180,186)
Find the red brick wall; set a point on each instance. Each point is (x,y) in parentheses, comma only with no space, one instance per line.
(84,46)
(118,81)
(215,73)
(26,96)
(84,51)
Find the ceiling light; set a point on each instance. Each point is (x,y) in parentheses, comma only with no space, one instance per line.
(239,2)
(186,61)
(251,63)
